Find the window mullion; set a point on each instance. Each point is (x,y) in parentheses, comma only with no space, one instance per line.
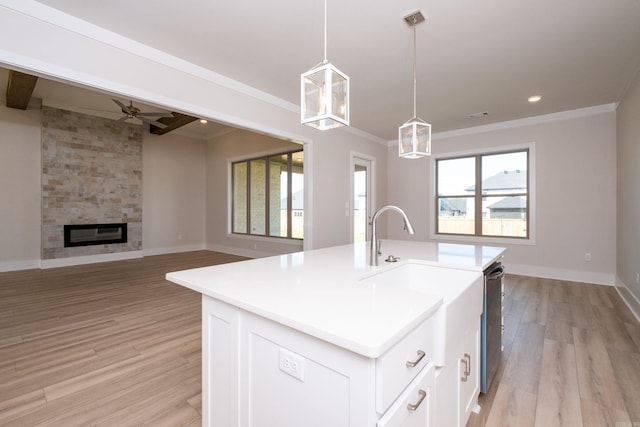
(289,195)
(267,196)
(478,197)
(437,206)
(248,230)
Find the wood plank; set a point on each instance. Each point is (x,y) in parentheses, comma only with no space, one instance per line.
(559,399)
(596,377)
(21,404)
(559,321)
(512,407)
(537,307)
(172,123)
(596,415)
(626,366)
(20,87)
(522,370)
(613,330)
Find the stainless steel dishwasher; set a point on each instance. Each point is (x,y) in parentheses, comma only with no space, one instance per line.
(491,326)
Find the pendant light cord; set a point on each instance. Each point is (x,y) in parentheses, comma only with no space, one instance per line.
(325,32)
(414,68)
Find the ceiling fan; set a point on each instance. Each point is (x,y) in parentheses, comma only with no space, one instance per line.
(132,112)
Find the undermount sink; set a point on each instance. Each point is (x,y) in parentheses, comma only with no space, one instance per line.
(461,292)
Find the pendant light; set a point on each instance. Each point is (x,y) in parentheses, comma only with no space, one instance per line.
(324,93)
(414,136)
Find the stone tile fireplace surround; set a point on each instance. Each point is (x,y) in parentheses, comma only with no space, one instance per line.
(91,174)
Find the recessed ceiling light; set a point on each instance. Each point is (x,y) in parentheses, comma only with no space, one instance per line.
(534,98)
(203,121)
(480,114)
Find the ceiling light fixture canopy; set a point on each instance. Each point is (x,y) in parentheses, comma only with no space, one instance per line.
(324,93)
(414,136)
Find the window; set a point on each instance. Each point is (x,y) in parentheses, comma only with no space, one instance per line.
(484,195)
(268,196)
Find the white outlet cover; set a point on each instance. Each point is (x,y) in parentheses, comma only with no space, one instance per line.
(292,364)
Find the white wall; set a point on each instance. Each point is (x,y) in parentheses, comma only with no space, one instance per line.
(234,146)
(628,232)
(575,168)
(174,182)
(173,195)
(63,47)
(327,172)
(19,189)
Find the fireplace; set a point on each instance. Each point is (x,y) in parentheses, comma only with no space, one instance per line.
(94,234)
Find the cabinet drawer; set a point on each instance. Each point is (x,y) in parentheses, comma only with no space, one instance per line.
(399,366)
(414,407)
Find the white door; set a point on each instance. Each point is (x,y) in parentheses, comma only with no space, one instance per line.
(361,197)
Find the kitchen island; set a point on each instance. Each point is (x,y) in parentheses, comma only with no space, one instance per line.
(323,338)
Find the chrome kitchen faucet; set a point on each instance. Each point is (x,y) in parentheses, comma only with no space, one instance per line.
(375,245)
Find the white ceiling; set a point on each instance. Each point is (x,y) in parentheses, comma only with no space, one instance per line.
(473,56)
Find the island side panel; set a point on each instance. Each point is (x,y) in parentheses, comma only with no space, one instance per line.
(220,363)
(243,384)
(336,388)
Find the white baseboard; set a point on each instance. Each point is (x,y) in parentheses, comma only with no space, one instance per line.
(249,253)
(6,266)
(561,274)
(174,249)
(89,259)
(629,298)
(19,265)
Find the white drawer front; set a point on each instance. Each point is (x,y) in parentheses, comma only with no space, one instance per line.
(399,366)
(414,407)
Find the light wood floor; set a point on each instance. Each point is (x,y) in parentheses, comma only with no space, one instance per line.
(115,344)
(571,358)
(110,344)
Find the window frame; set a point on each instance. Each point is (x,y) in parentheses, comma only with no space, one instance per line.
(478,155)
(266,157)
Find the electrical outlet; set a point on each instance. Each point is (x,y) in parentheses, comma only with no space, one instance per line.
(292,364)
(587,256)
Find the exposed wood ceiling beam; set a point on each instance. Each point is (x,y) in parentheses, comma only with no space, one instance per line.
(171,123)
(19,89)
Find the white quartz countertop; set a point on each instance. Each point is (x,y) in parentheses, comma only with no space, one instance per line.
(321,292)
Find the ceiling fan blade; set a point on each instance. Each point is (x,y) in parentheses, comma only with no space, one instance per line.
(120,104)
(153,122)
(158,114)
(122,119)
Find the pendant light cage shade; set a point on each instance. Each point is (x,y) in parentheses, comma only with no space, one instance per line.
(414,139)
(414,136)
(325,97)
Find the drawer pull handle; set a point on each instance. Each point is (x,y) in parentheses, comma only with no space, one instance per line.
(414,406)
(467,367)
(411,364)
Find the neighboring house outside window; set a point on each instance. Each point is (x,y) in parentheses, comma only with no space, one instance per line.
(268,196)
(485,195)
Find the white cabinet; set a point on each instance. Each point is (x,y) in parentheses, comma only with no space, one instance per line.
(258,373)
(468,374)
(458,379)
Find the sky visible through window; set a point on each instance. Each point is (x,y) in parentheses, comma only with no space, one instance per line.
(455,175)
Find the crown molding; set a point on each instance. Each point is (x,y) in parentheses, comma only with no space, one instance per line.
(529,121)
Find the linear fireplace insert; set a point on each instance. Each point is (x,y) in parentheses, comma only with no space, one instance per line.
(94,234)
